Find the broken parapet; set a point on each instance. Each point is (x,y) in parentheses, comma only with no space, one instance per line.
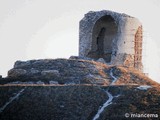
(115,37)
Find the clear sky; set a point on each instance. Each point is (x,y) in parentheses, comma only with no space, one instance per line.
(34,29)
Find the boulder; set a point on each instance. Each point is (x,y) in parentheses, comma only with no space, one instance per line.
(15,73)
(21,64)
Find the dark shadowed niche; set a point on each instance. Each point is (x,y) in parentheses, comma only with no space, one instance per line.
(103,34)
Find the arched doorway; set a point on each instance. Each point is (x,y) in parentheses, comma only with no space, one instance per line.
(103,34)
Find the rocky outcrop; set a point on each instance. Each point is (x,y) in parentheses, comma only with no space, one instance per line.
(75,70)
(15,73)
(76,89)
(50,74)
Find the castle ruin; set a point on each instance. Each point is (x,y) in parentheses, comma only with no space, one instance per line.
(115,37)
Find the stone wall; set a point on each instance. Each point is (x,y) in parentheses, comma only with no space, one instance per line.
(111,36)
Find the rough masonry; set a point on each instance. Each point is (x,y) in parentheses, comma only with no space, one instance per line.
(115,37)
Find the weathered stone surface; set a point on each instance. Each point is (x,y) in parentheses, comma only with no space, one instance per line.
(34,71)
(63,71)
(21,63)
(74,71)
(82,94)
(110,35)
(50,74)
(76,89)
(15,73)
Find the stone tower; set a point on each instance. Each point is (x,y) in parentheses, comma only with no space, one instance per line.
(115,37)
